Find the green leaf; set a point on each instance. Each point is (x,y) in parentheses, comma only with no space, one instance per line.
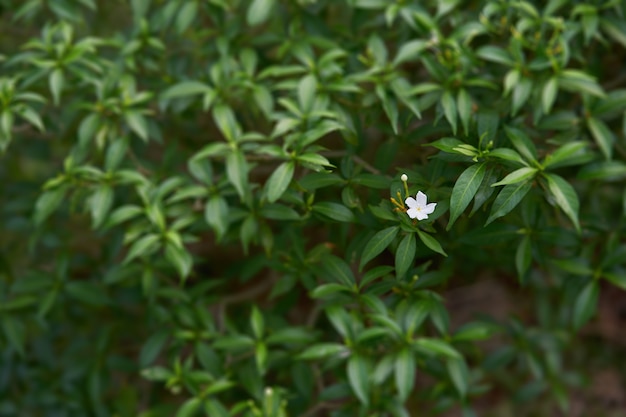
(278,212)
(47,203)
(605,171)
(237,171)
(405,254)
(185,89)
(521,93)
(257,323)
(509,197)
(577,81)
(143,246)
(464,190)
(334,211)
(137,123)
(602,135)
(338,270)
(377,244)
(409,51)
(306,92)
(431,242)
(259,11)
(279,181)
(449,109)
(189,407)
(464,106)
(404,371)
(522,174)
(585,305)
(522,143)
(459,374)
(186,15)
(523,257)
(322,350)
(56,81)
(216,215)
(226,122)
(179,258)
(437,347)
(13,330)
(495,54)
(548,95)
(100,204)
(565,197)
(324,290)
(359,377)
(152,348)
(565,155)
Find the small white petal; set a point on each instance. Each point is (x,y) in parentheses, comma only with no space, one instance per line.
(421,215)
(411,202)
(421,198)
(429,208)
(413,213)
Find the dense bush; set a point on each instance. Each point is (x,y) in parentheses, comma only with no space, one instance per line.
(203,210)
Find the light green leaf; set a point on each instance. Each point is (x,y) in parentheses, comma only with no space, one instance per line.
(257,323)
(179,258)
(185,89)
(464,190)
(522,174)
(47,203)
(306,93)
(237,171)
(143,246)
(405,254)
(322,350)
(586,304)
(548,95)
(449,109)
(377,244)
(279,181)
(186,15)
(431,242)
(602,135)
(523,257)
(568,153)
(137,123)
(464,106)
(509,197)
(565,197)
(100,204)
(437,347)
(338,270)
(56,81)
(459,374)
(259,11)
(522,143)
(404,371)
(359,377)
(409,51)
(334,211)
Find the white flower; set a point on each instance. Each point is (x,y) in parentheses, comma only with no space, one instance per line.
(404,178)
(418,209)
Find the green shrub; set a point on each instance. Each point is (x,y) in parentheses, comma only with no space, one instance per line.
(204,210)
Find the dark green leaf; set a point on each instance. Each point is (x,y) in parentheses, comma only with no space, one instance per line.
(509,197)
(464,190)
(377,244)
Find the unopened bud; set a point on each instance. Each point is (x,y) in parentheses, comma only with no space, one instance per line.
(404,178)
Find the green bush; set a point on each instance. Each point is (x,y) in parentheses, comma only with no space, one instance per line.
(204,213)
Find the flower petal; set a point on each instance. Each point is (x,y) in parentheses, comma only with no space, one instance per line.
(413,212)
(429,208)
(410,201)
(421,198)
(421,215)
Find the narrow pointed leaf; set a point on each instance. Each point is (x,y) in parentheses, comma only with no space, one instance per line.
(565,197)
(464,190)
(377,244)
(509,197)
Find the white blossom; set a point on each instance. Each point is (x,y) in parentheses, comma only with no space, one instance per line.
(418,209)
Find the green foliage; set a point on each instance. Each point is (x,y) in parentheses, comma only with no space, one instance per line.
(204,212)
